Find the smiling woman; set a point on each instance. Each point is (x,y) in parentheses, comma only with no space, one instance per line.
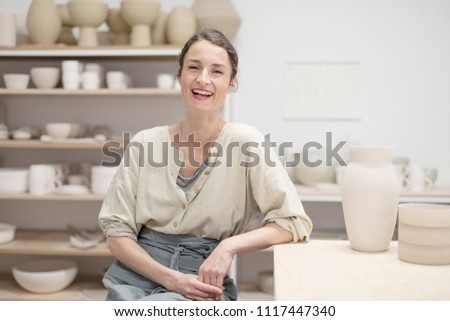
(175,229)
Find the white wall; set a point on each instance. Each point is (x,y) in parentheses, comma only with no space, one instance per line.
(403,47)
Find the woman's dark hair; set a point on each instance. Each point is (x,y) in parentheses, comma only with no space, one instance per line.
(217,38)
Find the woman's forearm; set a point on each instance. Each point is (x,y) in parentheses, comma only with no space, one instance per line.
(261,238)
(132,255)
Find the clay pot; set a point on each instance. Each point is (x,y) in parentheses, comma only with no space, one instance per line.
(88,16)
(220,14)
(159,29)
(43,22)
(66,36)
(118,26)
(370,195)
(181,25)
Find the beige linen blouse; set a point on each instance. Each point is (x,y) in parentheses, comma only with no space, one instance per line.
(238,184)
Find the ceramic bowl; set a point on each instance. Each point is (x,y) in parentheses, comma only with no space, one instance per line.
(424,215)
(7,232)
(424,233)
(45,276)
(16,81)
(59,130)
(13,180)
(421,254)
(45,77)
(266,282)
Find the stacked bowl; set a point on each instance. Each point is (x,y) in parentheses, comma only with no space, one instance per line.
(13,180)
(424,233)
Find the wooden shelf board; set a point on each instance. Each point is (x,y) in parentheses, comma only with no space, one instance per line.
(51,197)
(97,92)
(35,50)
(439,194)
(46,242)
(37,144)
(84,288)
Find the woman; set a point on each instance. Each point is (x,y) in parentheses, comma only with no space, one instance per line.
(176,212)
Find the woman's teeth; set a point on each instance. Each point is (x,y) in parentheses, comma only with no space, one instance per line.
(201,92)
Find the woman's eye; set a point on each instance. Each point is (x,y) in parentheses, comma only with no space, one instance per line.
(218,72)
(193,68)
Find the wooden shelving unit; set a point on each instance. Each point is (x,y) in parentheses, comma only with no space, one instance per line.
(49,242)
(84,288)
(129,92)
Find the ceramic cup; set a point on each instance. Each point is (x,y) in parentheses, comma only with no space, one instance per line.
(402,172)
(44,179)
(78,180)
(421,178)
(165,81)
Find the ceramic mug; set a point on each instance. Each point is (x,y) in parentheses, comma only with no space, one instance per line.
(78,180)
(44,179)
(402,172)
(421,178)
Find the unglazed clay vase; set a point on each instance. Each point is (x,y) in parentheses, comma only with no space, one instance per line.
(220,14)
(66,36)
(370,195)
(159,29)
(118,27)
(180,25)
(43,22)
(141,15)
(88,16)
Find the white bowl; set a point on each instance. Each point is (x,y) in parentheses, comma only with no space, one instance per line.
(45,276)
(7,232)
(16,81)
(59,130)
(45,77)
(13,180)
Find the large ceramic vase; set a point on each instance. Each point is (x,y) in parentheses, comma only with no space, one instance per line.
(220,14)
(370,195)
(43,22)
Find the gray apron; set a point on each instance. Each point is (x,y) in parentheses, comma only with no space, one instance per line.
(184,253)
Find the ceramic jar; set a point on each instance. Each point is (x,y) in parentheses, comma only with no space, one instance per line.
(180,25)
(220,14)
(43,22)
(370,196)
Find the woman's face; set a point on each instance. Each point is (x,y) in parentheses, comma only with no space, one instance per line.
(205,77)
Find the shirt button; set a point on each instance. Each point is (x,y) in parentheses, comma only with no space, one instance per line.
(206,172)
(196,190)
(183,206)
(175,225)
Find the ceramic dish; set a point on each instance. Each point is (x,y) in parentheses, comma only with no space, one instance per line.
(45,276)
(73,190)
(7,232)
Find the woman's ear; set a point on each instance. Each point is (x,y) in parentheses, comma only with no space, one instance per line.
(233,86)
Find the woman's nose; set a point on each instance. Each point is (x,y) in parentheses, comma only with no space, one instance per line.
(203,77)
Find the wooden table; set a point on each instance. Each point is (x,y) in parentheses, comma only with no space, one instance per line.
(331,270)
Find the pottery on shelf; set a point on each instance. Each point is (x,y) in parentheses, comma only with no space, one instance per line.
(66,36)
(159,29)
(88,16)
(43,22)
(141,15)
(370,196)
(118,27)
(180,25)
(220,14)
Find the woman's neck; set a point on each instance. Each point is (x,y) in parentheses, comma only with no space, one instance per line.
(202,130)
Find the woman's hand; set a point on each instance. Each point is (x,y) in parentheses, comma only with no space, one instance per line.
(215,267)
(192,288)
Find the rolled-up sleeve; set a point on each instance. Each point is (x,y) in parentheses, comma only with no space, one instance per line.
(117,216)
(276,196)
